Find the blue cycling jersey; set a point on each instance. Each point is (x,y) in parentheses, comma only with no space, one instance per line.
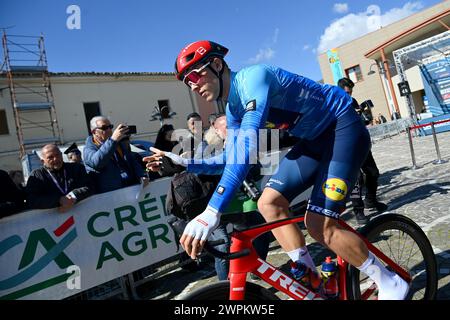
(264,96)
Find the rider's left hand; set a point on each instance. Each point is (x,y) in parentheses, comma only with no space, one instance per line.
(198,230)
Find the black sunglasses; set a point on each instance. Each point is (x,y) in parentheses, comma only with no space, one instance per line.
(106,127)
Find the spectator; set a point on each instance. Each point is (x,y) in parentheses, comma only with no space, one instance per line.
(17,178)
(107,159)
(211,118)
(73,154)
(370,170)
(212,141)
(126,142)
(381,118)
(11,197)
(57,184)
(395,115)
(190,143)
(163,139)
(193,120)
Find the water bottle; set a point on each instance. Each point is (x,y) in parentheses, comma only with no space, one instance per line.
(298,270)
(305,275)
(329,279)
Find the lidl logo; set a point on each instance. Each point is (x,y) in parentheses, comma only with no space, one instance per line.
(281,126)
(335,189)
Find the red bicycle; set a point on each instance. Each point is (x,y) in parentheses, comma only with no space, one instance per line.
(394,239)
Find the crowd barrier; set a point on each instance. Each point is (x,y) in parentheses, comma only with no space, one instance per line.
(389,129)
(43,253)
(103,245)
(431,126)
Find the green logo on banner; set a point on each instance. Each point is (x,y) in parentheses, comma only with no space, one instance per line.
(28,267)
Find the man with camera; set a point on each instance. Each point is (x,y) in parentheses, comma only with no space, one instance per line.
(108,160)
(369,167)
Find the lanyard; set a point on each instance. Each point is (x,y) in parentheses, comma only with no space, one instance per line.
(115,156)
(63,191)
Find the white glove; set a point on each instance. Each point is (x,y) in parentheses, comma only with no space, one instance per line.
(203,225)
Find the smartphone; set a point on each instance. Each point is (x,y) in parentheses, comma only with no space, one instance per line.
(132,130)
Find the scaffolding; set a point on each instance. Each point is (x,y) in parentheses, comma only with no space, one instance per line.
(26,69)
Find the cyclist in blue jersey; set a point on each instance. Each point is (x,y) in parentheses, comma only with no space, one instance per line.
(333,145)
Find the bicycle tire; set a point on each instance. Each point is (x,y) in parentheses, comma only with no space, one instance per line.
(221,291)
(373,232)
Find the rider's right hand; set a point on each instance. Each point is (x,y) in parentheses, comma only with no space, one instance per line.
(198,230)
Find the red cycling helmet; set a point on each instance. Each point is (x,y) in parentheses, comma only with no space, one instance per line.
(196,52)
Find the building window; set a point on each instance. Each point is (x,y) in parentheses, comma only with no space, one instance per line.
(164,108)
(91,109)
(354,73)
(3,123)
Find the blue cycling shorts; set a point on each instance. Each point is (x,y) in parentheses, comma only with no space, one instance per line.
(330,163)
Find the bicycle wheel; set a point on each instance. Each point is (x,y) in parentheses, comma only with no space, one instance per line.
(402,240)
(221,291)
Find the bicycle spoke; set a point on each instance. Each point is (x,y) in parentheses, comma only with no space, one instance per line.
(402,248)
(404,244)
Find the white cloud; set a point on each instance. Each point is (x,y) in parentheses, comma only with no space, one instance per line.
(263,55)
(306,47)
(266,53)
(275,36)
(340,7)
(356,25)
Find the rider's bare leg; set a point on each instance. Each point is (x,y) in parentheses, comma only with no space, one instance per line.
(344,243)
(352,249)
(274,206)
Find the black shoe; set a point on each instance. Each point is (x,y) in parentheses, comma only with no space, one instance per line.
(375,205)
(361,218)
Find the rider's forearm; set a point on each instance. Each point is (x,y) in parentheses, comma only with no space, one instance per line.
(177,159)
(211,166)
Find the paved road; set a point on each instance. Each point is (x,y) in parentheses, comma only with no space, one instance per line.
(420,194)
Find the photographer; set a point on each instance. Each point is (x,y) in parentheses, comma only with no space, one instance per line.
(107,160)
(369,167)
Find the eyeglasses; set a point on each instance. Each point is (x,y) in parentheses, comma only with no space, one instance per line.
(194,76)
(106,127)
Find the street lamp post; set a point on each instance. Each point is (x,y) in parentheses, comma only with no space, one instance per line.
(383,73)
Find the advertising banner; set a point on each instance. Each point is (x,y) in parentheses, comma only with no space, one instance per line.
(45,254)
(335,65)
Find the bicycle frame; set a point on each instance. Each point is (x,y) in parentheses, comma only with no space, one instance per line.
(241,241)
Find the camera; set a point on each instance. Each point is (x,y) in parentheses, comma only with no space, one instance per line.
(366,105)
(132,129)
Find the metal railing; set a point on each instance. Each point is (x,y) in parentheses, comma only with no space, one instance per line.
(389,129)
(436,143)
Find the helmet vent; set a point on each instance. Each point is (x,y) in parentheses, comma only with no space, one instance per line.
(189,57)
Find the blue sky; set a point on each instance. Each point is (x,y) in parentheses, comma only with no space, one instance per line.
(137,35)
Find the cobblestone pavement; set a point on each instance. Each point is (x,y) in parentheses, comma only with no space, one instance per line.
(420,194)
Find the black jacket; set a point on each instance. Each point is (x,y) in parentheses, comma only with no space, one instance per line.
(42,193)
(11,197)
(365,118)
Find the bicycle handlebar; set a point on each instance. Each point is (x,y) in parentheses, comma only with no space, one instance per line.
(209,248)
(251,190)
